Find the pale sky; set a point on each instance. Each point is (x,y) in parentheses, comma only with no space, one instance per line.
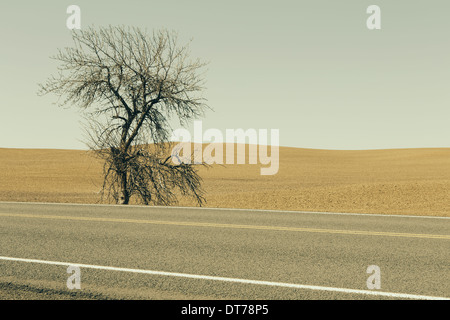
(311,69)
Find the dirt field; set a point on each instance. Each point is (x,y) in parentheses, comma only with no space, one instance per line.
(403,181)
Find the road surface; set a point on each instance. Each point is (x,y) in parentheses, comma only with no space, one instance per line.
(197,253)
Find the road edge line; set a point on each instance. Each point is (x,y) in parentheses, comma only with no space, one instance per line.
(234,280)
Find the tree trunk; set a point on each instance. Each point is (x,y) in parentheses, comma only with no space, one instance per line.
(124,195)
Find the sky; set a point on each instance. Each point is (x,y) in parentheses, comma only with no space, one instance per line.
(311,69)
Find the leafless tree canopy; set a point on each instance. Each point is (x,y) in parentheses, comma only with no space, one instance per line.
(130,84)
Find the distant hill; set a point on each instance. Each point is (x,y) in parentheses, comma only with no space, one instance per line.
(400,181)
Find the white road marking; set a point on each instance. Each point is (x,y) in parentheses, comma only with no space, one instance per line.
(230,209)
(235,280)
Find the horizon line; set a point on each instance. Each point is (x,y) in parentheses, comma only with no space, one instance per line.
(247,144)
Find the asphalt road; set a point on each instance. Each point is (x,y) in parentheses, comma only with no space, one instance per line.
(194,253)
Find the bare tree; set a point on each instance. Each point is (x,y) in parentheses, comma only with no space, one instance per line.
(130,84)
